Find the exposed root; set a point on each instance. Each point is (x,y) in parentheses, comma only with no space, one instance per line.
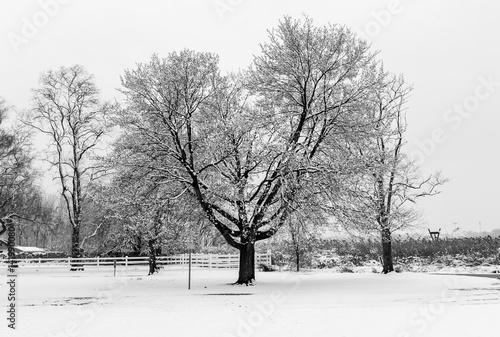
(247,283)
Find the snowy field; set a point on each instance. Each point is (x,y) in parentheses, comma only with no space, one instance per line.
(309,304)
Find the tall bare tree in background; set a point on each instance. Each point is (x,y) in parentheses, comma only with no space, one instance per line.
(383,198)
(8,166)
(16,173)
(302,232)
(66,108)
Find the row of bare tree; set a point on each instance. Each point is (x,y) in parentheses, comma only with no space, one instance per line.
(312,133)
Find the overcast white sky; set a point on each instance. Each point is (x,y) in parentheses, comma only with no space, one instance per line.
(448,50)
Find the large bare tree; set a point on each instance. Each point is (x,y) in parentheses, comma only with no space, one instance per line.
(67,109)
(139,216)
(246,146)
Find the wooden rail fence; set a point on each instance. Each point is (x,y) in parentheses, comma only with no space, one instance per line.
(197,260)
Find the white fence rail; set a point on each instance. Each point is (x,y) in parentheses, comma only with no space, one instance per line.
(197,260)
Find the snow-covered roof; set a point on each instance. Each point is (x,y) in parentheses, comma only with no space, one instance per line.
(29,249)
(22,249)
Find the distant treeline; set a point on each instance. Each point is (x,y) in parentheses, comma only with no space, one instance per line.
(336,252)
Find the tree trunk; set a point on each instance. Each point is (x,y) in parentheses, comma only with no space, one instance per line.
(152,258)
(387,251)
(247,264)
(297,256)
(76,252)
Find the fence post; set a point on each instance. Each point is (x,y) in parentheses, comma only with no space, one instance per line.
(210,261)
(69,261)
(98,263)
(126,263)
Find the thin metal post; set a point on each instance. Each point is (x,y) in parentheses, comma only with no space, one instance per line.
(189,275)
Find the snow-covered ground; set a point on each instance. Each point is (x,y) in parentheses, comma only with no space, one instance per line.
(309,304)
